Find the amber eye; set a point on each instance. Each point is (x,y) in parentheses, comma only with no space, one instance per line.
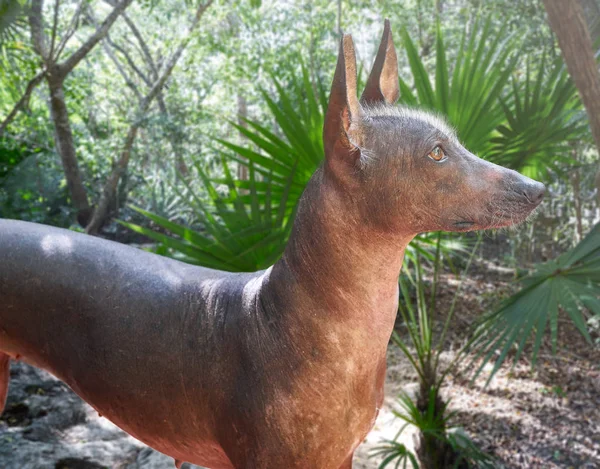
(437,154)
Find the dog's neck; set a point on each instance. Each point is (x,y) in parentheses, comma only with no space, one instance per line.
(337,260)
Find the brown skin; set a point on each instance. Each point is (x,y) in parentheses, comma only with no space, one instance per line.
(280,368)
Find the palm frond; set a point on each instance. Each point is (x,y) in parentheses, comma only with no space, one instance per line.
(13,24)
(543,115)
(238,237)
(570,283)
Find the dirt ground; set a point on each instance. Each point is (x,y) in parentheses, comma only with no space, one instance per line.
(546,418)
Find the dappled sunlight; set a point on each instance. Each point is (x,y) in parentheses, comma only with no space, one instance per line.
(57,244)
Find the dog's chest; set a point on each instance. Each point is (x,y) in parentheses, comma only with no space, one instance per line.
(333,402)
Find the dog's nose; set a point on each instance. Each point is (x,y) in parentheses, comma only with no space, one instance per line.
(534,191)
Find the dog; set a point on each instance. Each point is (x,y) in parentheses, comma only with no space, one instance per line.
(282,368)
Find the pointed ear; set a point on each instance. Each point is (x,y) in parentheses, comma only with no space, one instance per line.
(382,85)
(340,139)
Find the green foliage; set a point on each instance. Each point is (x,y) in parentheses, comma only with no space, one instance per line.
(34,188)
(238,237)
(393,451)
(12,23)
(435,423)
(10,155)
(287,161)
(543,115)
(247,226)
(570,283)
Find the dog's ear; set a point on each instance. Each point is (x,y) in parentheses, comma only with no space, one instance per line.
(340,134)
(383,84)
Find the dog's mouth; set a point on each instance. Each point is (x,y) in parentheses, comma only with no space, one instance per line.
(505,219)
(508,209)
(497,219)
(464,224)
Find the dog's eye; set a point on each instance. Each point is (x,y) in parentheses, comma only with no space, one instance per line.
(437,154)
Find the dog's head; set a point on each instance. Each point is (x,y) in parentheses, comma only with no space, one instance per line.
(408,166)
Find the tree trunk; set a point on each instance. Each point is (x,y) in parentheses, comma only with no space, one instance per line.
(66,149)
(109,192)
(567,20)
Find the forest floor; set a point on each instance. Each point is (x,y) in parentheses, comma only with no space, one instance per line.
(548,417)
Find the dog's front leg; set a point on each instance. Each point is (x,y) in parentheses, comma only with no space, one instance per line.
(4,378)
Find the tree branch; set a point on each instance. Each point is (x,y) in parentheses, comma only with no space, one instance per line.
(54,26)
(145,52)
(130,61)
(143,45)
(70,63)
(166,72)
(70,30)
(35,81)
(128,81)
(148,56)
(107,43)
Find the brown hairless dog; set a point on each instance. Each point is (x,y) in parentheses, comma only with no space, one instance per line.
(277,369)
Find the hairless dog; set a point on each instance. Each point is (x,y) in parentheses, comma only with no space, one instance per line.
(282,368)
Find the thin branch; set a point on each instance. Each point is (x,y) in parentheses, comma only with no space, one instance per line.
(130,61)
(123,51)
(148,56)
(35,81)
(70,30)
(142,75)
(145,52)
(54,26)
(70,63)
(106,44)
(166,72)
(143,45)
(128,80)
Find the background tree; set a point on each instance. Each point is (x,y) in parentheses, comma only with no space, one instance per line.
(568,23)
(110,188)
(55,72)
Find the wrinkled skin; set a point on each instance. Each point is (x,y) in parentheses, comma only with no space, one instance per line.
(282,368)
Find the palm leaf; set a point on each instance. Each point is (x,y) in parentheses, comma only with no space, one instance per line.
(543,115)
(568,284)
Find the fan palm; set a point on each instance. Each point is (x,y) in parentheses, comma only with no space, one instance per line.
(543,114)
(570,283)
